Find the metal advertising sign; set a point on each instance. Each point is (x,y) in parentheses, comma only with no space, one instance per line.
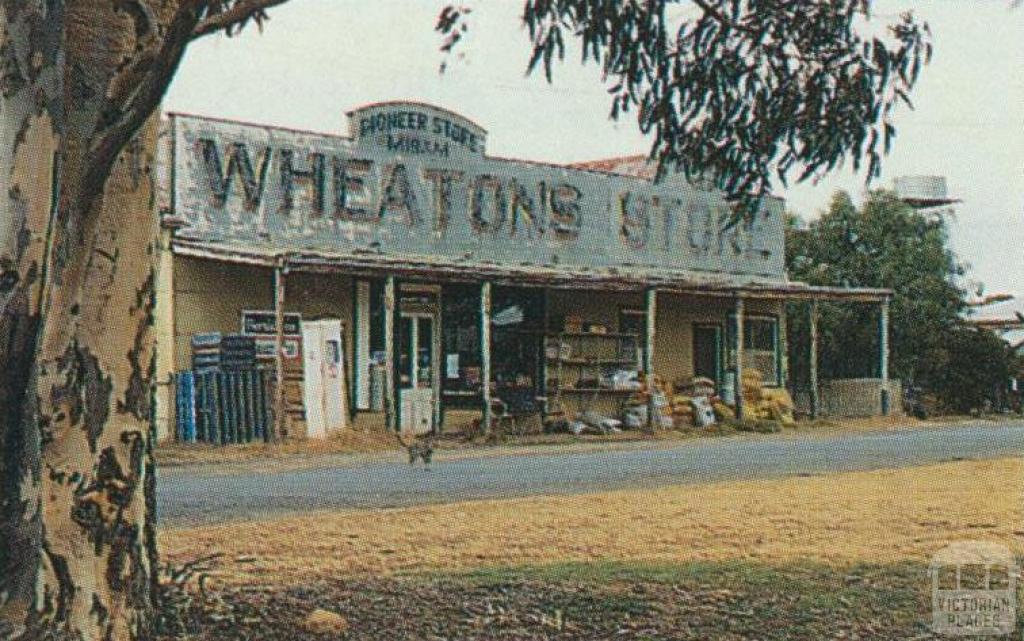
(413,179)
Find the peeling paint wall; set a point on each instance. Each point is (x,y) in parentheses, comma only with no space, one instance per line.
(405,185)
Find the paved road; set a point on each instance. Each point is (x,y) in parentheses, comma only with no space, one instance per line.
(198,495)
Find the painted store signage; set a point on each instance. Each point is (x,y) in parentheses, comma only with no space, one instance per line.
(414,180)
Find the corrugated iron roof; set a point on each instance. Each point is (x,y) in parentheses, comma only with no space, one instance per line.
(557,276)
(636,166)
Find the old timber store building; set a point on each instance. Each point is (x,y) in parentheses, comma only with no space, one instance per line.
(400,278)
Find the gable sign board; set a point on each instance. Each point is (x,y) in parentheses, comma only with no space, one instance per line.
(413,179)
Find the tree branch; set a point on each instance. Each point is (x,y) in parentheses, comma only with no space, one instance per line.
(720,17)
(242,11)
(135,100)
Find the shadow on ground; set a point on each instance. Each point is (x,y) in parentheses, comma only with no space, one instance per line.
(704,600)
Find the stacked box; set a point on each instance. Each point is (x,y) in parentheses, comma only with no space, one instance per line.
(230,352)
(222,407)
(206,351)
(237,352)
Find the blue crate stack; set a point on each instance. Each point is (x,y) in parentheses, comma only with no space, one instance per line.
(223,398)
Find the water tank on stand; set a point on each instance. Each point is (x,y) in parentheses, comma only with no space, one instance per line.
(923,192)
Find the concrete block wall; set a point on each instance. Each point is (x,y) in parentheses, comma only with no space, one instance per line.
(853,398)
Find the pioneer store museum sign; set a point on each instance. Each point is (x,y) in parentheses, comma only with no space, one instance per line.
(413,179)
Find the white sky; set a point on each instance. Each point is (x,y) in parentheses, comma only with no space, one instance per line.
(319,58)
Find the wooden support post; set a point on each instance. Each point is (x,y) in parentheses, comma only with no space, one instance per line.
(485,354)
(740,312)
(390,404)
(280,426)
(163,320)
(438,364)
(542,374)
(883,345)
(783,346)
(651,300)
(813,359)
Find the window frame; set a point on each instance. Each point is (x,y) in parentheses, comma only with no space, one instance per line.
(776,342)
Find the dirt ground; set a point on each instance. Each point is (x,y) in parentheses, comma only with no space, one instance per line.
(882,517)
(374,441)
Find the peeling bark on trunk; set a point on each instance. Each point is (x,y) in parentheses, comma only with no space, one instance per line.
(94,363)
(31,132)
(78,80)
(77,256)
(83,554)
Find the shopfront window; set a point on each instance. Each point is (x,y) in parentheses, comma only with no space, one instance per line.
(517,335)
(405,363)
(634,321)
(424,352)
(760,346)
(460,340)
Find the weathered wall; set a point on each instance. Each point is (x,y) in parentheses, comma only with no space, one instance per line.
(858,397)
(592,306)
(317,296)
(673,342)
(209,296)
(677,314)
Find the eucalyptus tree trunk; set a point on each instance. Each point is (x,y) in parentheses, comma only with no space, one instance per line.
(31,131)
(77,529)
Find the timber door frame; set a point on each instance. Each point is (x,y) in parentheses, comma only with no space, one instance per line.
(432,310)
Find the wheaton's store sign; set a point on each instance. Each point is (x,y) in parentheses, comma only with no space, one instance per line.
(414,180)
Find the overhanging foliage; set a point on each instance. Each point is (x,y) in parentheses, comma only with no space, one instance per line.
(744,92)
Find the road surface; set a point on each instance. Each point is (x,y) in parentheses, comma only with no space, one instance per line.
(201,495)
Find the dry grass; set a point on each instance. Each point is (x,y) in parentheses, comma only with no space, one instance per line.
(345,442)
(885,516)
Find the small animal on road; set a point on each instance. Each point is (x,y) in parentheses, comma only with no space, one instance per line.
(419,447)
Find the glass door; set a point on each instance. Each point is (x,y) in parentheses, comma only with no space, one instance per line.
(424,374)
(416,371)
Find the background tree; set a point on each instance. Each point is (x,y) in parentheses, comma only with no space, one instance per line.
(888,244)
(737,91)
(976,372)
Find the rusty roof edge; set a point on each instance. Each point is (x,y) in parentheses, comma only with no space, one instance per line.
(671,281)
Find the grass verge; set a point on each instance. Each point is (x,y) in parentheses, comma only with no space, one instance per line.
(726,600)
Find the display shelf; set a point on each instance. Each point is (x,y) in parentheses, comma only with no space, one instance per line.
(593,334)
(575,355)
(595,362)
(597,390)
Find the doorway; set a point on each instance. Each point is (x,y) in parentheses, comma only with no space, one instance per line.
(707,352)
(417,371)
